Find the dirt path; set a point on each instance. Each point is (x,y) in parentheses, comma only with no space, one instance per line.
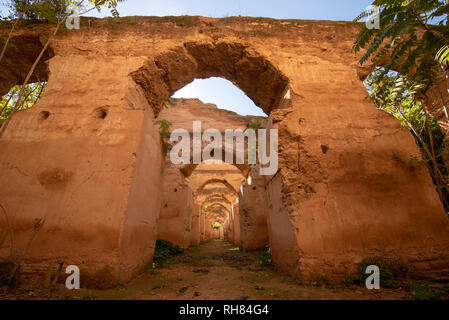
(217,270)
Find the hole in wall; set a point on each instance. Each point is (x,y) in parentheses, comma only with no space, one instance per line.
(324,148)
(44,115)
(101,113)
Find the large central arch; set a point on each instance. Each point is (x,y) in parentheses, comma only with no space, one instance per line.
(162,76)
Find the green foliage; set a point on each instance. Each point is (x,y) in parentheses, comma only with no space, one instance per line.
(51,11)
(442,56)
(412,161)
(164,128)
(216,225)
(407,38)
(255,125)
(170,102)
(164,131)
(36,10)
(396,95)
(5,271)
(348,279)
(163,251)
(422,291)
(323,281)
(387,273)
(87,294)
(264,258)
(30,96)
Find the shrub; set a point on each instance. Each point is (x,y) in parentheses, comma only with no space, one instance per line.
(387,273)
(5,272)
(422,291)
(323,281)
(163,251)
(265,257)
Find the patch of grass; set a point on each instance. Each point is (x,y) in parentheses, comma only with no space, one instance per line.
(264,258)
(164,128)
(87,294)
(5,271)
(348,279)
(389,271)
(180,21)
(422,291)
(163,251)
(296,281)
(323,281)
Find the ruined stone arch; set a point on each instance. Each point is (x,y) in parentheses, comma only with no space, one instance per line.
(229,199)
(220,198)
(222,181)
(218,210)
(171,70)
(188,169)
(216,204)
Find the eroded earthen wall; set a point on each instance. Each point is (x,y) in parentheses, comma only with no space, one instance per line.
(175,220)
(253,214)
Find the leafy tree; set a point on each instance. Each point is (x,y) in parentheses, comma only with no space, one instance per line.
(394,94)
(32,93)
(35,10)
(51,10)
(413,39)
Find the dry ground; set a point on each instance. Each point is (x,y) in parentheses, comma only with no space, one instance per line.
(215,270)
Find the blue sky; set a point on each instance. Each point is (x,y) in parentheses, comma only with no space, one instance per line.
(280,9)
(219,91)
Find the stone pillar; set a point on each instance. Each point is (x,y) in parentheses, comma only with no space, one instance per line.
(195,232)
(231,226)
(236,223)
(253,214)
(225,230)
(174,224)
(208,231)
(203,225)
(87,158)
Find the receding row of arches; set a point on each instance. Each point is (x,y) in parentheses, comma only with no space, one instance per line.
(210,202)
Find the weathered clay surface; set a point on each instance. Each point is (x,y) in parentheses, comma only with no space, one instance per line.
(19,58)
(175,220)
(253,210)
(339,195)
